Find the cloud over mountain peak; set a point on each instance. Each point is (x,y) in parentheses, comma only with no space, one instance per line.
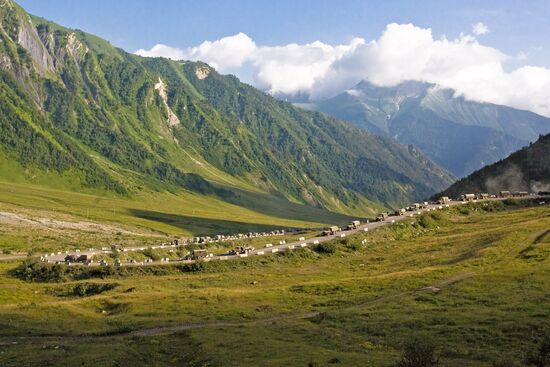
(402,52)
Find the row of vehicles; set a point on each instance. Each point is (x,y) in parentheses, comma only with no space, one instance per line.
(238,236)
(379,218)
(501,194)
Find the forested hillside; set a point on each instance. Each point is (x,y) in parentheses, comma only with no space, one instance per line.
(527,169)
(81,114)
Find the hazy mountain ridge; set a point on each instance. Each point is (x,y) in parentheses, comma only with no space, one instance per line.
(527,169)
(74,106)
(459,135)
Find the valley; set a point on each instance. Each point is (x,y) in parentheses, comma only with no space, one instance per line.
(267,198)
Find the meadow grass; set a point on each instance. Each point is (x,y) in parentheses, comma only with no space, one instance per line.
(488,269)
(151,214)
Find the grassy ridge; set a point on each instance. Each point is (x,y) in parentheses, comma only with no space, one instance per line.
(490,265)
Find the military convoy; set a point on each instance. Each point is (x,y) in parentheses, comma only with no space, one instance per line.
(333,230)
(234,237)
(502,194)
(203,254)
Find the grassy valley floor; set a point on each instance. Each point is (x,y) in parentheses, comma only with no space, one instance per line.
(37,219)
(473,279)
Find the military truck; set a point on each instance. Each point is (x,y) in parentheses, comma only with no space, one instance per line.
(444,200)
(331,230)
(399,212)
(353,225)
(198,254)
(240,250)
(468,197)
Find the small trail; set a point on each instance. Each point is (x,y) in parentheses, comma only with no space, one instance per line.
(535,242)
(436,287)
(12,257)
(162,330)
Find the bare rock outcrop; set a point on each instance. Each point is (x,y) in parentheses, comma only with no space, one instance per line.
(172,118)
(30,41)
(202,72)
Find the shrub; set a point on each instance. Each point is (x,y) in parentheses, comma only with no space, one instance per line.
(353,246)
(427,221)
(418,353)
(541,356)
(193,267)
(325,248)
(85,289)
(151,254)
(35,271)
(464,209)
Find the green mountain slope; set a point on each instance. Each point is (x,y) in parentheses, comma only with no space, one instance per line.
(457,134)
(525,170)
(77,108)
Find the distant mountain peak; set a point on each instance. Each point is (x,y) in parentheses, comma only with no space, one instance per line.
(459,134)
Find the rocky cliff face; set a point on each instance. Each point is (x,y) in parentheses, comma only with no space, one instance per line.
(27,37)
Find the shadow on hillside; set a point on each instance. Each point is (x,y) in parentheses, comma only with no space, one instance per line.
(282,208)
(202,226)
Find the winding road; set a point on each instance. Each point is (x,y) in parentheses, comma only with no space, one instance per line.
(59,257)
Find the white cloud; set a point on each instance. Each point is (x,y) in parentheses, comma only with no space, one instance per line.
(479,28)
(223,54)
(159,50)
(354,92)
(403,52)
(296,68)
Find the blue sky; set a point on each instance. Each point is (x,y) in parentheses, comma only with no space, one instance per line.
(133,24)
(506,61)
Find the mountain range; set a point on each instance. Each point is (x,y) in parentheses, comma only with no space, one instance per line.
(80,114)
(459,135)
